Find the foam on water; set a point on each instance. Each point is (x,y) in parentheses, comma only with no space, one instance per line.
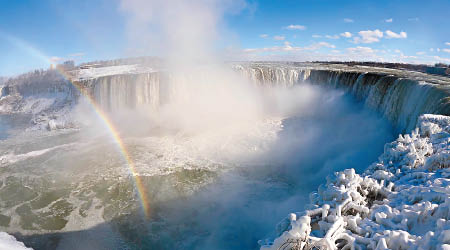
(209,188)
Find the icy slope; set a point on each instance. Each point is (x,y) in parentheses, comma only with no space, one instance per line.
(400,202)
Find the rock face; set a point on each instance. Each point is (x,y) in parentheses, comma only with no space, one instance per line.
(400,202)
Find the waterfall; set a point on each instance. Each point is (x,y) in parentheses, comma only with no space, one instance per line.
(125,91)
(400,100)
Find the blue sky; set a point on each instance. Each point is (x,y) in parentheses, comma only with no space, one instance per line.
(35,33)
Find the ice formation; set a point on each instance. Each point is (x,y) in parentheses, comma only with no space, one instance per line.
(400,202)
(8,242)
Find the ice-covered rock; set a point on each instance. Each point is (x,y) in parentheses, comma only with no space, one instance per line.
(400,202)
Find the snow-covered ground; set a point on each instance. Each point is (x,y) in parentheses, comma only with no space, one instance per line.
(8,242)
(89,73)
(400,202)
(50,97)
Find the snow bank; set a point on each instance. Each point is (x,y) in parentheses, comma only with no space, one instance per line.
(8,242)
(89,73)
(400,202)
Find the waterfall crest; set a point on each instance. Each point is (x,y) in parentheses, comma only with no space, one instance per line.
(400,100)
(397,97)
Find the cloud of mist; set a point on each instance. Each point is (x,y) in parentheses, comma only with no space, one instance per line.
(204,95)
(284,140)
(183,32)
(323,130)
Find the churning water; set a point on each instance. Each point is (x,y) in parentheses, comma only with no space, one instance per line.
(219,186)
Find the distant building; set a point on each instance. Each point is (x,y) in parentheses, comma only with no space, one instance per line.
(65,66)
(90,66)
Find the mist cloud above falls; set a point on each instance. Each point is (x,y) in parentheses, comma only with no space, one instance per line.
(204,95)
(183,32)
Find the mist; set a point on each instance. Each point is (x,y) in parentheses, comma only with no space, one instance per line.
(185,33)
(276,163)
(271,146)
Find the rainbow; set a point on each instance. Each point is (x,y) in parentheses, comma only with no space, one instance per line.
(138,183)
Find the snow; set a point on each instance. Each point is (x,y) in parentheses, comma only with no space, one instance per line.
(400,202)
(111,70)
(8,242)
(10,157)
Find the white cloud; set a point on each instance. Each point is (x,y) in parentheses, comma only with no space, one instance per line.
(438,50)
(279,38)
(346,34)
(348,20)
(431,49)
(403,56)
(316,36)
(359,53)
(446,50)
(390,34)
(295,27)
(332,37)
(263,35)
(441,59)
(361,50)
(420,53)
(447,43)
(414,19)
(368,36)
(288,47)
(389,20)
(398,51)
(316,46)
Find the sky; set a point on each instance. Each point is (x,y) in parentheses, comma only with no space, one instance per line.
(34,34)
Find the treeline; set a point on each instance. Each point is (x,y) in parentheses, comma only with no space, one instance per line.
(3,79)
(437,69)
(37,81)
(143,60)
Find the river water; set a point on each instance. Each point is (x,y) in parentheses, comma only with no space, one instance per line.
(224,187)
